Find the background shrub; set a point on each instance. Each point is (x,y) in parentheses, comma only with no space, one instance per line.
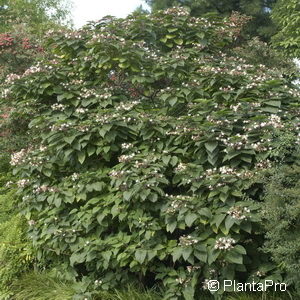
(281,216)
(16,254)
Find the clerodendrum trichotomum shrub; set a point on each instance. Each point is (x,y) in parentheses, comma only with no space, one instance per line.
(148,145)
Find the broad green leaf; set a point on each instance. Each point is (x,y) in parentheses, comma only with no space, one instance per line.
(190,218)
(140,255)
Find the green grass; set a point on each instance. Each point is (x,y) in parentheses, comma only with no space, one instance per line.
(41,286)
(263,296)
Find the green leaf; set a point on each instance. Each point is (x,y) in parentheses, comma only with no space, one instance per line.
(47,172)
(177,253)
(70,139)
(189,293)
(213,255)
(190,218)
(201,252)
(240,249)
(173,101)
(178,41)
(229,223)
(91,150)
(140,255)
(218,219)
(246,226)
(171,227)
(205,212)
(233,257)
(81,156)
(274,103)
(151,254)
(211,146)
(166,159)
(127,195)
(186,252)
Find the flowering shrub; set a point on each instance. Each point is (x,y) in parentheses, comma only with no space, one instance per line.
(148,145)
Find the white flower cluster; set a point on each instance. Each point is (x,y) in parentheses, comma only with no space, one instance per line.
(145,163)
(191,269)
(237,212)
(227,89)
(175,206)
(176,11)
(35,161)
(59,107)
(183,281)
(198,46)
(74,176)
(18,157)
(22,183)
(98,282)
(126,158)
(73,35)
(26,197)
(263,164)
(126,146)
(106,118)
(100,37)
(260,273)
(5,93)
(206,284)
(181,167)
(179,130)
(224,171)
(81,110)
(31,222)
(60,127)
(10,78)
(83,128)
(43,188)
(273,121)
(42,148)
(237,142)
(219,122)
(224,243)
(236,107)
(117,174)
(127,105)
(9,183)
(32,70)
(187,240)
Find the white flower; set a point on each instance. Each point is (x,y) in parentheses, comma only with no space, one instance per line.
(23,182)
(74,176)
(81,110)
(224,243)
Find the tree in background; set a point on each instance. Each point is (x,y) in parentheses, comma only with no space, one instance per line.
(286,15)
(260,25)
(36,16)
(23,25)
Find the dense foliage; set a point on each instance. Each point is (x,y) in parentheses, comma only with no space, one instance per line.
(260,25)
(16,254)
(17,53)
(147,148)
(287,16)
(281,216)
